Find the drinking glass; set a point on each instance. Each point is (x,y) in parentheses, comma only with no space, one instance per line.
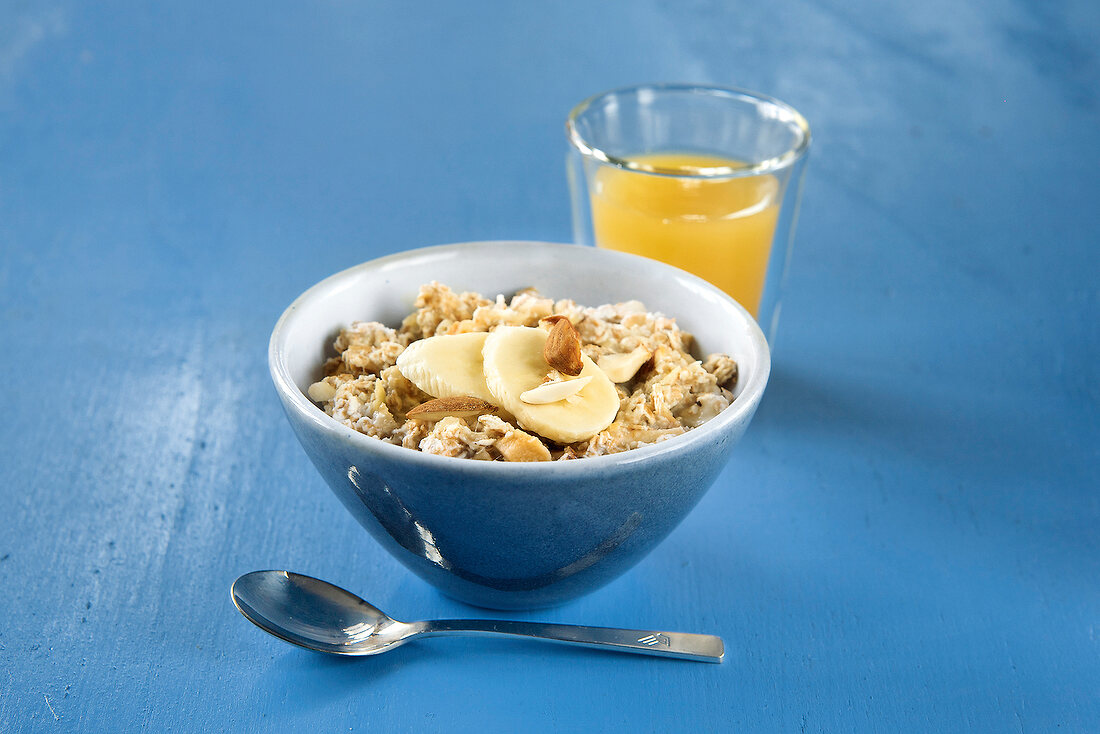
(704,178)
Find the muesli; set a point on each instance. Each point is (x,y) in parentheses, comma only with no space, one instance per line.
(522,379)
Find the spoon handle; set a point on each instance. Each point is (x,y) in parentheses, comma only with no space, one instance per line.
(684,645)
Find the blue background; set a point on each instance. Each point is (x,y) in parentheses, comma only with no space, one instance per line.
(906,539)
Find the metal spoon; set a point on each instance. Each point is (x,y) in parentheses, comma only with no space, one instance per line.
(319,616)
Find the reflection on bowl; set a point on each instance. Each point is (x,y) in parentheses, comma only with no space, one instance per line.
(515,535)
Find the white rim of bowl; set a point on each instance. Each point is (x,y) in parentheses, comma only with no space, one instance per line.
(746,401)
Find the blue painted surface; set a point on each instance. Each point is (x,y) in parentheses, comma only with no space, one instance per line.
(920,552)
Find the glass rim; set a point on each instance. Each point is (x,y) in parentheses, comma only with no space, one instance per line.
(770,165)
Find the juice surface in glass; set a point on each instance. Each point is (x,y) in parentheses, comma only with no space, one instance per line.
(717,228)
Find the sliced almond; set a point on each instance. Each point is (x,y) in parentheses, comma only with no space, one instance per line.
(623,366)
(461,407)
(563,346)
(552,392)
(321,392)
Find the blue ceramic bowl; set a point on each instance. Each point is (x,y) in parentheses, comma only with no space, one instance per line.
(515,535)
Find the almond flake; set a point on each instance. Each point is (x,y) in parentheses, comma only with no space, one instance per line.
(552,392)
(321,392)
(623,366)
(563,346)
(460,407)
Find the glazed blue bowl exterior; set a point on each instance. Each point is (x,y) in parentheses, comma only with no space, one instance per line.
(515,535)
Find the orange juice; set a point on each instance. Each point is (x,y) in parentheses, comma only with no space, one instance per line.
(719,229)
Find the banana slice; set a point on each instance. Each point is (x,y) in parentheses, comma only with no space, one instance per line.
(514,364)
(447,366)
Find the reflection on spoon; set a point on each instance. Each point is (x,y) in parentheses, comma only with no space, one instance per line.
(319,616)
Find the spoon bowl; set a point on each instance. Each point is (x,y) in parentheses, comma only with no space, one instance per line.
(315,614)
(319,616)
